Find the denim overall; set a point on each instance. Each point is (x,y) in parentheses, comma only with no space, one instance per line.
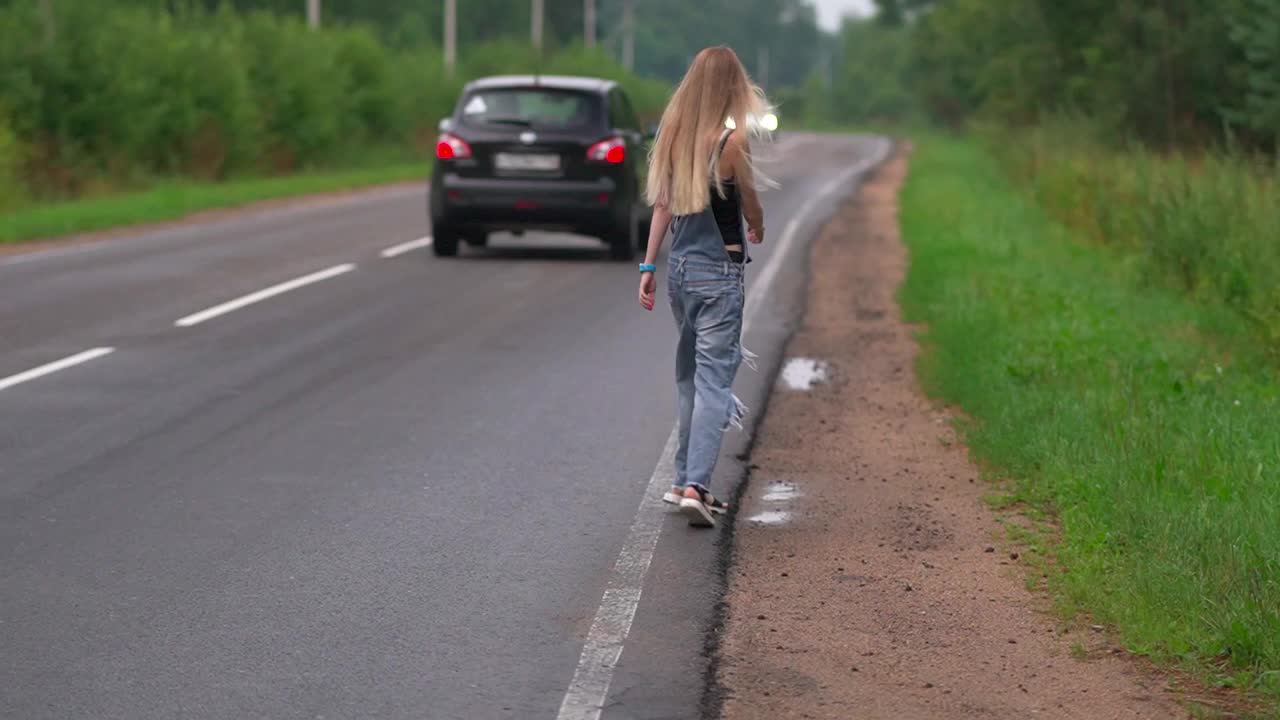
(707,294)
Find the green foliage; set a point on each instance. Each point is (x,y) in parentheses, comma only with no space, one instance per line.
(647,94)
(869,84)
(11,159)
(299,88)
(206,91)
(668,32)
(1257,32)
(1175,73)
(1208,224)
(1142,419)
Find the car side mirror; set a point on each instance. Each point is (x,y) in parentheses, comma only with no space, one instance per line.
(446,124)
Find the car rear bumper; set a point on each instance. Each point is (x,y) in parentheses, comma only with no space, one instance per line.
(511,204)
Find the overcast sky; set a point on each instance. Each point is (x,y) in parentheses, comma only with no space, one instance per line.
(830,11)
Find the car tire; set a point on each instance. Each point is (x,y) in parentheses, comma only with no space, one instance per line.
(444,243)
(642,237)
(622,241)
(477,240)
(622,244)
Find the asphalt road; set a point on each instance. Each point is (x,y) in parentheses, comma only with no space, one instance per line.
(395,491)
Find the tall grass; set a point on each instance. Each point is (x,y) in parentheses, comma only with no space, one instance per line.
(1096,393)
(1207,222)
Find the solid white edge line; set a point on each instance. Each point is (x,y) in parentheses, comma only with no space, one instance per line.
(403,248)
(589,689)
(55,366)
(259,296)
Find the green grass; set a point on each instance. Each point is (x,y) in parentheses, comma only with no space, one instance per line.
(1146,421)
(173,200)
(1207,224)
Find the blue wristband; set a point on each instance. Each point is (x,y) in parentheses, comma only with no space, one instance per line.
(647,267)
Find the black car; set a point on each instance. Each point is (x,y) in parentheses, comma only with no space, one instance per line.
(540,153)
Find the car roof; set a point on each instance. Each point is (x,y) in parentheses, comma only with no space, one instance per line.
(557,82)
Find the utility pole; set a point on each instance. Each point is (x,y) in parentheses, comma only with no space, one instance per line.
(589,23)
(535,23)
(50,25)
(629,35)
(313,14)
(450,36)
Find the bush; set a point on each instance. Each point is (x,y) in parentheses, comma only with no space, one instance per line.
(297,86)
(11,159)
(210,95)
(649,96)
(373,111)
(426,94)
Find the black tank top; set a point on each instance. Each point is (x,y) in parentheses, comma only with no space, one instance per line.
(727,209)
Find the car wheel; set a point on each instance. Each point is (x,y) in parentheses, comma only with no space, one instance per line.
(622,244)
(444,243)
(642,237)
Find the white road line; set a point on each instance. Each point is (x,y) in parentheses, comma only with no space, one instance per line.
(403,248)
(589,689)
(261,295)
(53,367)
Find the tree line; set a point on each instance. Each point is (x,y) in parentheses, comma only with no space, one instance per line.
(125,91)
(779,39)
(1168,72)
(109,94)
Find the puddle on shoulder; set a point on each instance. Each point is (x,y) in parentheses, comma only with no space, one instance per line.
(770,517)
(780,492)
(802,373)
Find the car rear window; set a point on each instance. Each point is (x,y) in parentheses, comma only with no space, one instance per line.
(542,108)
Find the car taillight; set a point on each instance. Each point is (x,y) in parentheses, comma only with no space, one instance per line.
(452,147)
(612,151)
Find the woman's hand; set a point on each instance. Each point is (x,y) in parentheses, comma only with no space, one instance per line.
(753,237)
(648,285)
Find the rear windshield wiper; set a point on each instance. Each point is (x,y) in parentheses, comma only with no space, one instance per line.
(509,121)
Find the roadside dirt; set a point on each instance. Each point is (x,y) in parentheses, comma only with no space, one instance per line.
(880,589)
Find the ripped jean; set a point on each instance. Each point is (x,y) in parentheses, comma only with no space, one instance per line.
(707,300)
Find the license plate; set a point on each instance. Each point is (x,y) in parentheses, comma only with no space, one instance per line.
(527,162)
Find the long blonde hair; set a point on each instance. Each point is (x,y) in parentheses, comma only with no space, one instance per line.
(683,158)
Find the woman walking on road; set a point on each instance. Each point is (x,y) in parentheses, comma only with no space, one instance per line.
(702,186)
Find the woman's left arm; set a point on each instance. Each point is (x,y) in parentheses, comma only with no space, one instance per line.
(657,232)
(739,158)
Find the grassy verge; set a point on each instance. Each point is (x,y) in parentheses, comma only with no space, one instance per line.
(1205,223)
(174,200)
(1144,421)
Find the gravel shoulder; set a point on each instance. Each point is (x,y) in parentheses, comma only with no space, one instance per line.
(868,577)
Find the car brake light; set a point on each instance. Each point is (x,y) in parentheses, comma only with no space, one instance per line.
(612,151)
(452,147)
